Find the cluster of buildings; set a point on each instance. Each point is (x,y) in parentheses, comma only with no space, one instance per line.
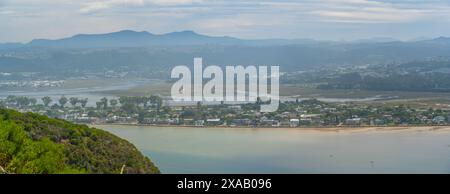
(303,120)
(309,113)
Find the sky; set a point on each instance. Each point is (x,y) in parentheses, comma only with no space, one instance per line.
(24,20)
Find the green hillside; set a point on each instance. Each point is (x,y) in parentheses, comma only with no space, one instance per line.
(31,143)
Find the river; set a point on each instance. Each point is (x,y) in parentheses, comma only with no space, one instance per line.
(225,150)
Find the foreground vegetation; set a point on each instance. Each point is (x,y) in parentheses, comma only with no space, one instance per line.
(32,143)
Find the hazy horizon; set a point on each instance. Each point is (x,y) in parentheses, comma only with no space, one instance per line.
(25,20)
(381,39)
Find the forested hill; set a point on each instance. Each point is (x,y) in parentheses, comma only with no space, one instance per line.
(32,143)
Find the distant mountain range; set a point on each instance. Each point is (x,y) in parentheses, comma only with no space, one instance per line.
(147,52)
(129,38)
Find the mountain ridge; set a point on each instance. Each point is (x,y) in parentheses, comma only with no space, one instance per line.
(130,38)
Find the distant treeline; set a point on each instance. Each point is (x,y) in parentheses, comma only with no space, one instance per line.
(429,82)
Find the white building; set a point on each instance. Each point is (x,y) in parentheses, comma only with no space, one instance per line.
(294,122)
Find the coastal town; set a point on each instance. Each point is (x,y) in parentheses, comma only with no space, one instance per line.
(153,110)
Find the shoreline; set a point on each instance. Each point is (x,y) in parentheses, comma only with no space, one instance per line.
(319,129)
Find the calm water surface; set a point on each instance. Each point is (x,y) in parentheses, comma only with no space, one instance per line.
(213,150)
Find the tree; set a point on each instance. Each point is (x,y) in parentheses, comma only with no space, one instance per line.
(22,101)
(199,105)
(11,99)
(63,101)
(46,100)
(73,101)
(54,106)
(83,102)
(145,101)
(123,99)
(33,101)
(99,105)
(113,102)
(104,102)
(129,107)
(155,101)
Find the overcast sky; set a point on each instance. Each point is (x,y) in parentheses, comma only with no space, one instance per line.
(24,20)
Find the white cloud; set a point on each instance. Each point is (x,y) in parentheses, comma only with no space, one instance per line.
(94,6)
(173,2)
(357,11)
(99,5)
(370,15)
